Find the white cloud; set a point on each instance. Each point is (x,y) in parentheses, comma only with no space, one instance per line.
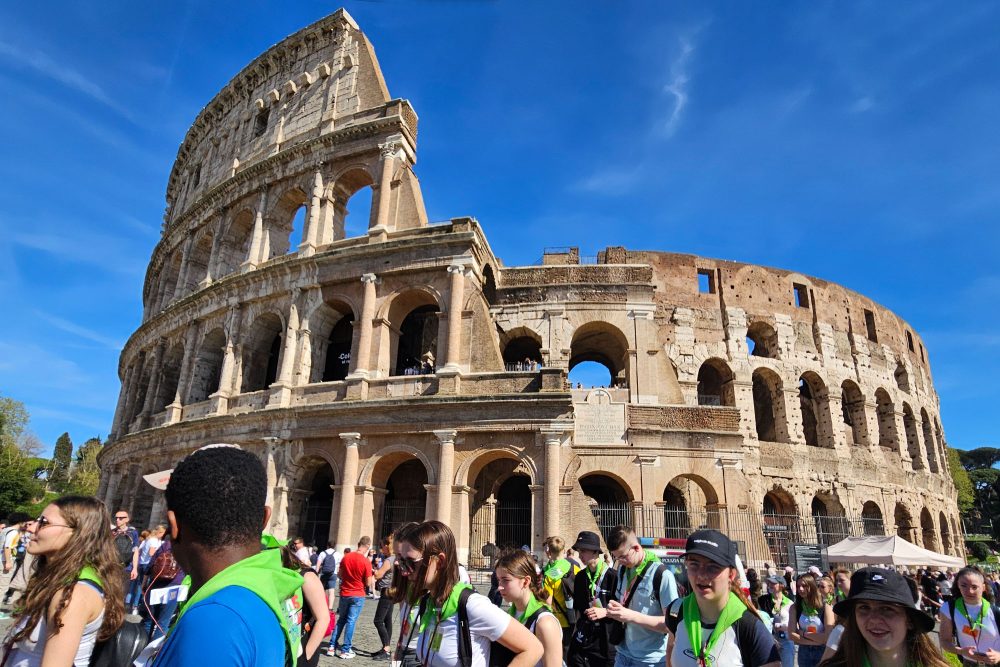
(82,332)
(610,181)
(104,252)
(862,104)
(677,86)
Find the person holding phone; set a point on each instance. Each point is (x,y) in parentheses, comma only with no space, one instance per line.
(593,588)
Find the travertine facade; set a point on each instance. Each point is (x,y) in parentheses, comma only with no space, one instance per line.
(407,372)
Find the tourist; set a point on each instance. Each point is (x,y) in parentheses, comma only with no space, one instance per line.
(560,601)
(164,572)
(882,625)
(148,545)
(235,614)
(944,587)
(14,541)
(643,584)
(126,540)
(315,615)
(355,578)
(301,551)
(593,589)
(327,564)
(811,620)
(779,607)
(826,589)
(842,582)
(429,552)
(383,610)
(403,591)
(969,623)
(74,598)
(522,589)
(716,623)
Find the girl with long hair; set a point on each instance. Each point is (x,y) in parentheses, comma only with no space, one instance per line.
(811,620)
(429,552)
(521,587)
(315,617)
(968,624)
(74,598)
(402,591)
(883,627)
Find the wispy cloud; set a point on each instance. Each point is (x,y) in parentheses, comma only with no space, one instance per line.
(111,258)
(677,86)
(862,104)
(611,180)
(41,63)
(82,332)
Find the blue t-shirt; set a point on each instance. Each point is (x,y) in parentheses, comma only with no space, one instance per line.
(232,628)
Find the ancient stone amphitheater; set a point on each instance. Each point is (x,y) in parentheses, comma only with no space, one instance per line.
(404,371)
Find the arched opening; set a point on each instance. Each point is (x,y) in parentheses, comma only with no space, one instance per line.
(589,374)
(168,282)
(886,413)
(357,215)
(489,286)
(762,340)
(852,404)
(351,197)
(207,368)
(715,384)
(405,496)
(522,350)
(287,223)
(337,361)
(142,506)
(261,353)
(814,401)
(317,510)
(141,387)
(828,516)
(902,377)
(417,345)
(927,530)
(609,502)
(769,406)
(234,248)
(604,344)
(689,503)
(912,439)
(929,447)
(871,519)
(781,525)
(199,260)
(946,546)
(501,511)
(170,375)
(904,522)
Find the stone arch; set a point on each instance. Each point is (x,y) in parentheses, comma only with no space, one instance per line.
(904,522)
(762,340)
(769,406)
(331,327)
(781,526)
(928,532)
(310,507)
(886,414)
(852,403)
(912,439)
(501,507)
(902,377)
(715,383)
(828,517)
(377,470)
(689,502)
(234,246)
(411,335)
(403,472)
(570,474)
(814,402)
(288,208)
(168,281)
(946,545)
(262,351)
(871,519)
(610,499)
(473,465)
(929,446)
(140,387)
(605,344)
(522,347)
(347,186)
(170,376)
(200,260)
(489,286)
(206,371)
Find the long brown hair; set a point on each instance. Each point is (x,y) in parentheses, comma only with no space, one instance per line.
(400,588)
(57,573)
(809,597)
(520,565)
(434,538)
(920,649)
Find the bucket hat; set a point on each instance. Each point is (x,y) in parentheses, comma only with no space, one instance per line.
(879,585)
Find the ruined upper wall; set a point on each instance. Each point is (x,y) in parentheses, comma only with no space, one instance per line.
(321,78)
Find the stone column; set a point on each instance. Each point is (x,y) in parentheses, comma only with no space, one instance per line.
(456,294)
(361,363)
(176,408)
(154,383)
(214,255)
(120,407)
(446,474)
(311,233)
(282,394)
(388,152)
(182,276)
(348,489)
(553,441)
(257,241)
(111,488)
(642,387)
(220,399)
(158,512)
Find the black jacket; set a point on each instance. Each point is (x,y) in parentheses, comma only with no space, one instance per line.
(590,638)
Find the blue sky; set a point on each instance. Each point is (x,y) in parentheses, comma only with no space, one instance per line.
(857,142)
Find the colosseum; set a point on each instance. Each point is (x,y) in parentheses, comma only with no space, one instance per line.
(404,371)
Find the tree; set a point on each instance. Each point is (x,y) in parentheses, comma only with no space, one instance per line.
(18,484)
(963,485)
(980,458)
(980,550)
(86,474)
(985,479)
(61,459)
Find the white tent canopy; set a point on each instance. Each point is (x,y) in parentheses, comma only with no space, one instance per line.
(892,550)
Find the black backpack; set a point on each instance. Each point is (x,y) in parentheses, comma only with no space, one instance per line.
(329,566)
(568,584)
(124,547)
(122,648)
(745,628)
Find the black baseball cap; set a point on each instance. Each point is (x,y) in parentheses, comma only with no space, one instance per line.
(713,545)
(880,585)
(587,540)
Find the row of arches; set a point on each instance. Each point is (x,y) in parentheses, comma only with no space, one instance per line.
(716,386)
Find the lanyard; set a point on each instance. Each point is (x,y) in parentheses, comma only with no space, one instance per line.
(692,623)
(533,606)
(976,625)
(409,623)
(595,577)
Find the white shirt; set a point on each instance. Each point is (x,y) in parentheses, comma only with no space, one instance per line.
(303,555)
(989,635)
(833,639)
(147,549)
(29,652)
(487,623)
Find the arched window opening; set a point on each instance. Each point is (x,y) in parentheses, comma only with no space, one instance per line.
(828,515)
(168,285)
(141,387)
(356,217)
(871,519)
(768,407)
(715,384)
(762,340)
(170,371)
(781,525)
(296,237)
(198,261)
(588,374)
(852,404)
(318,508)
(338,350)
(689,503)
(927,530)
(604,344)
(522,350)
(946,545)
(912,439)
(405,497)
(609,502)
(234,247)
(929,447)
(500,517)
(281,224)
(904,522)
(207,368)
(261,353)
(806,401)
(489,285)
(886,412)
(418,339)
(902,377)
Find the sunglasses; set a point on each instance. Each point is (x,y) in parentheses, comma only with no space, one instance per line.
(41,522)
(121,518)
(409,564)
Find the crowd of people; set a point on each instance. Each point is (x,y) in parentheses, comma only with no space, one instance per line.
(210,587)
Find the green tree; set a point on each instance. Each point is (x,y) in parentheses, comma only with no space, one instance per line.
(18,484)
(980,550)
(963,485)
(980,458)
(86,474)
(62,457)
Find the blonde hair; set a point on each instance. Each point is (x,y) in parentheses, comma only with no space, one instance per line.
(554,546)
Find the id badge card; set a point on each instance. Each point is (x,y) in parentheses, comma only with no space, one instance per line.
(436,642)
